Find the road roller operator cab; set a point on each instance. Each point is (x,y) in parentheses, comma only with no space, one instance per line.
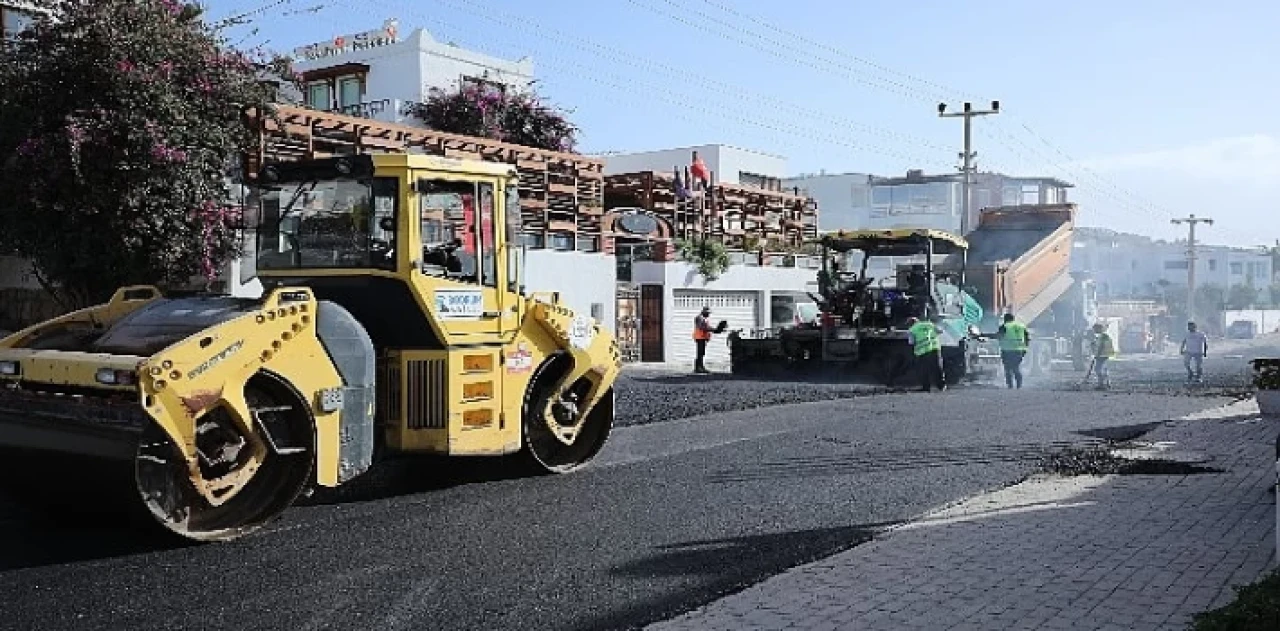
(393,318)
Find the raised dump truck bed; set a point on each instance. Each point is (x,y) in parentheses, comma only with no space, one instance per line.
(1020,258)
(1019,261)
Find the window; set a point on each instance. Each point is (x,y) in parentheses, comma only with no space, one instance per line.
(1175,265)
(1237,268)
(515,253)
(319,97)
(984,199)
(350,92)
(456,220)
(759,181)
(588,244)
(1213,265)
(333,224)
(562,242)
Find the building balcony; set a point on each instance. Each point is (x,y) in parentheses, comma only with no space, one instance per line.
(382,110)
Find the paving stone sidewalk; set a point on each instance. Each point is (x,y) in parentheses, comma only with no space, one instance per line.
(1089,552)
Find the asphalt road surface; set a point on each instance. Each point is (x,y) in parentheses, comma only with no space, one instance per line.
(673,514)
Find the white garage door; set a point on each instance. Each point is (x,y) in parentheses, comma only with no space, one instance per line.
(739,308)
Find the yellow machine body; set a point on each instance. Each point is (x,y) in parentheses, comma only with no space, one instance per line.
(335,360)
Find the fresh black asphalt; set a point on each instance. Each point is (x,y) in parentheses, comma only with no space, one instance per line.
(674,513)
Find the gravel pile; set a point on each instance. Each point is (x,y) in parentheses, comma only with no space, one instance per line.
(651,397)
(1102,462)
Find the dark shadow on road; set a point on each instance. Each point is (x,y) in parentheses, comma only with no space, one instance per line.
(410,475)
(719,567)
(85,510)
(58,509)
(1121,433)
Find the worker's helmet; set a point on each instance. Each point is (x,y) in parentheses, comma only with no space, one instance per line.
(1098,328)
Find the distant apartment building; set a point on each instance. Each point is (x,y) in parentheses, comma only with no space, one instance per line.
(862,201)
(377,73)
(1134,266)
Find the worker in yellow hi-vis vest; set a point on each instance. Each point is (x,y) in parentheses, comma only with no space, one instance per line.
(1014,341)
(1104,350)
(928,352)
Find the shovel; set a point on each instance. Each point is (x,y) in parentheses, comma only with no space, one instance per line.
(1088,373)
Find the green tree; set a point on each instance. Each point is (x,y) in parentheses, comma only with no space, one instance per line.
(122,122)
(710,257)
(1242,296)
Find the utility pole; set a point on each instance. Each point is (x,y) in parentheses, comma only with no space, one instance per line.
(1191,222)
(968,154)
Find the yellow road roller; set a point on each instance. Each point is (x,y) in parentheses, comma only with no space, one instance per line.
(393,320)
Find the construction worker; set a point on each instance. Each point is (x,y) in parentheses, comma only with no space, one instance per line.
(1104,349)
(928,352)
(1014,339)
(1195,346)
(702,331)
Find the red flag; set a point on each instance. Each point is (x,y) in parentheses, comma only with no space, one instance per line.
(700,169)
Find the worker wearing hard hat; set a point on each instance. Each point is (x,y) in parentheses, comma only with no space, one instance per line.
(925,342)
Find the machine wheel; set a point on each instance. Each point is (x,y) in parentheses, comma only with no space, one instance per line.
(955,364)
(263,487)
(544,450)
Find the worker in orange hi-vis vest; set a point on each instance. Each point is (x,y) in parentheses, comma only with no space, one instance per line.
(702,331)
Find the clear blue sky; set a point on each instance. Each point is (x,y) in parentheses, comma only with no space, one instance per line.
(1152,108)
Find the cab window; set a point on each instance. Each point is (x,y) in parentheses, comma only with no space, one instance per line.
(456,221)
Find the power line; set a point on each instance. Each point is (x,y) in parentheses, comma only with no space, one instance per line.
(685,103)
(630,85)
(904,89)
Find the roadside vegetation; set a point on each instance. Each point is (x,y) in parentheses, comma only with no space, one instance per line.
(1256,608)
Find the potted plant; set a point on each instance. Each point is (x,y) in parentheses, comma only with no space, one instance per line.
(1266,380)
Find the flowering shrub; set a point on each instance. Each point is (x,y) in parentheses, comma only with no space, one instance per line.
(122,123)
(1266,373)
(520,119)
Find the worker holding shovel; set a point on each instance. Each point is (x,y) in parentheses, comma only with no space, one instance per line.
(1104,349)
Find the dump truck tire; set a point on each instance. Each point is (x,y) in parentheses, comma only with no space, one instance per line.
(163,485)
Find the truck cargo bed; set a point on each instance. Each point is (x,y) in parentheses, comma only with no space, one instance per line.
(1019,258)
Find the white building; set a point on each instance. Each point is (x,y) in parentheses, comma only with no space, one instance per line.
(747,296)
(377,73)
(860,201)
(1127,265)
